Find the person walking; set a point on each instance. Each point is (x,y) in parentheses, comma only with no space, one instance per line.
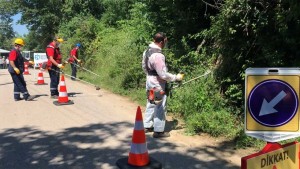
(155,67)
(74,61)
(54,65)
(16,69)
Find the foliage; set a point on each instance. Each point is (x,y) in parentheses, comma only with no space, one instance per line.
(244,141)
(203,108)
(116,10)
(6,31)
(71,8)
(80,29)
(252,34)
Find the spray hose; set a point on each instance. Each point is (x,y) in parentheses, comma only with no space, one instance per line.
(60,71)
(84,69)
(170,87)
(193,79)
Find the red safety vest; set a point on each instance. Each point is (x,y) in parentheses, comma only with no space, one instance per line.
(56,55)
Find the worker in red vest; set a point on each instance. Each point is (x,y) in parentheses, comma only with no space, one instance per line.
(54,65)
(74,61)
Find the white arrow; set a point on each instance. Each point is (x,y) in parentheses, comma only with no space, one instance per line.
(268,108)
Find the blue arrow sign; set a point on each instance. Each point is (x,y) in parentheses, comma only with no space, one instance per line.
(272,103)
(268,108)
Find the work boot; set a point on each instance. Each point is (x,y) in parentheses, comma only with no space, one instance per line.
(161,134)
(29,98)
(148,130)
(18,99)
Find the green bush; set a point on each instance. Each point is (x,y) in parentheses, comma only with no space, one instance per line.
(243,141)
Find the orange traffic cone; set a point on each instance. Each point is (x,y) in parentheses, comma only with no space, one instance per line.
(40,80)
(274,167)
(138,155)
(26,71)
(63,95)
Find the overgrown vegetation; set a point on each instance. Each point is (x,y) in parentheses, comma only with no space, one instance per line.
(224,36)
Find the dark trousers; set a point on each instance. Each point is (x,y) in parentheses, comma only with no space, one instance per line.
(54,80)
(74,70)
(19,85)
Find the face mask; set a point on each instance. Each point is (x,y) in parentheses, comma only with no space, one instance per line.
(19,47)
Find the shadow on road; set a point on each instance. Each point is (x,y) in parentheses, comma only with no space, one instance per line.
(76,148)
(39,95)
(73,94)
(6,83)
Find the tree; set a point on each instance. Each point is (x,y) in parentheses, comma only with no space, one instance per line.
(6,32)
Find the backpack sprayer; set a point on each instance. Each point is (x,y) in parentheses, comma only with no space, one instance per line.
(97,87)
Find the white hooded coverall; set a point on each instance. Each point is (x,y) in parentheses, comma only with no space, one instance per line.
(155,114)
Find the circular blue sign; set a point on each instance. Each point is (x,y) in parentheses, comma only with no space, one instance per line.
(272,103)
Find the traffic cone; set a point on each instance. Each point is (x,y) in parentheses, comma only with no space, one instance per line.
(63,95)
(40,80)
(26,71)
(138,155)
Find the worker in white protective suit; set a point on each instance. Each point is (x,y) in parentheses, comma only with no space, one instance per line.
(155,67)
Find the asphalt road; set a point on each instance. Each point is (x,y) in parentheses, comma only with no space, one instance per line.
(94,132)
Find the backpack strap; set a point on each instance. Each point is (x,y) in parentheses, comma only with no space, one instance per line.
(148,53)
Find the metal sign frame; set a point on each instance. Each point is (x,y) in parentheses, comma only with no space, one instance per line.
(278,78)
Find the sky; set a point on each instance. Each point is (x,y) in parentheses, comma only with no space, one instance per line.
(20,29)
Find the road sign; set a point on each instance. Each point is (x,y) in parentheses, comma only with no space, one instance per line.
(272,103)
(274,156)
(39,58)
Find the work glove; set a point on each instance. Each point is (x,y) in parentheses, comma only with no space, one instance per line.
(61,66)
(17,71)
(179,77)
(79,61)
(66,62)
(31,62)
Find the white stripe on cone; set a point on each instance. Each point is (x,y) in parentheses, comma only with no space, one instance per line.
(63,94)
(62,83)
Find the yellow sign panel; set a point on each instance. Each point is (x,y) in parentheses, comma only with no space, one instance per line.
(285,158)
(252,123)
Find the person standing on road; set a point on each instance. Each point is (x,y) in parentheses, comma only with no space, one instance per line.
(74,61)
(54,65)
(154,66)
(7,62)
(1,63)
(16,69)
